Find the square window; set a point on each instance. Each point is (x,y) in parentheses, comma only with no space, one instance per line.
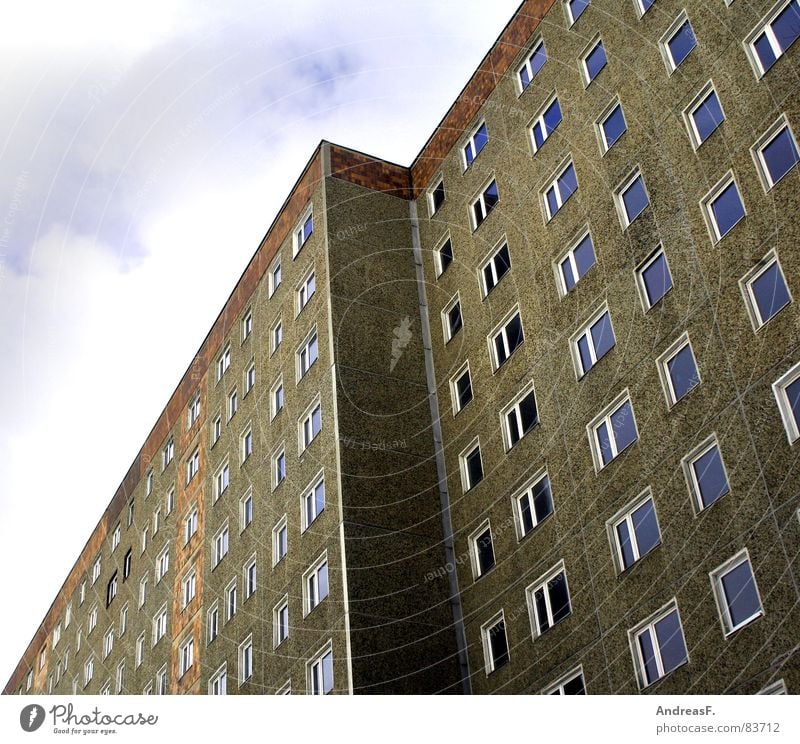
(593,61)
(519,417)
(593,341)
(471,466)
(313,502)
(315,584)
(704,115)
(658,645)
(484,204)
(653,278)
(320,672)
(481,550)
(612,431)
(678,370)
(452,321)
(705,473)
(495,643)
(545,122)
(787,393)
(765,291)
(436,196)
(475,143)
(548,600)
(533,504)
(736,593)
(571,684)
(461,388)
(774,35)
(634,531)
(559,190)
(443,256)
(534,62)
(495,268)
(632,198)
(571,267)
(505,340)
(575,9)
(611,126)
(678,42)
(775,153)
(723,207)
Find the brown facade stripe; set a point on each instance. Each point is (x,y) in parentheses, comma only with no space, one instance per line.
(366,171)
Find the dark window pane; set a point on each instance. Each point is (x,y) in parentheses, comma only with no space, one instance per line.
(538,58)
(478,211)
(525,514)
(583,351)
(514,333)
(657,279)
(552,202)
(787,25)
(648,656)
(614,126)
(567,183)
(575,686)
(770,292)
(596,61)
(727,209)
(602,336)
(559,597)
(446,255)
(604,443)
(764,52)
(683,372)
(584,256)
(498,644)
(623,425)
(491,196)
(502,262)
(454,319)
(552,117)
(710,476)
(542,499)
(474,468)
(485,552)
(682,43)
(780,156)
(481,138)
(708,116)
(577,7)
(514,434)
(793,394)
(541,610)
(566,272)
(670,642)
(634,199)
(438,196)
(624,537)
(464,389)
(527,409)
(524,78)
(539,135)
(319,497)
(740,593)
(645,526)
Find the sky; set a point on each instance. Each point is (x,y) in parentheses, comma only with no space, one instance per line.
(145,148)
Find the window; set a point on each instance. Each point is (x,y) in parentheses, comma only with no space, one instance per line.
(233,403)
(245,511)
(593,61)
(192,465)
(123,619)
(774,35)
(559,190)
(548,600)
(475,143)
(577,261)
(495,268)
(436,197)
(533,63)
(280,622)
(484,204)
(150,481)
(250,378)
(194,410)
(452,321)
(443,256)
(313,502)
(170,501)
(612,431)
(120,678)
(275,276)
(96,570)
(533,504)
(572,684)
(245,660)
(307,354)
(223,362)
(115,538)
(593,341)
(737,595)
(481,550)
(68,615)
(246,443)
(678,369)
(189,588)
(276,336)
(310,426)
(142,591)
(88,671)
(212,622)
(276,398)
(108,643)
(160,625)
(775,688)
(722,207)
(634,531)
(575,9)
(787,394)
(315,584)
(280,541)
(775,153)
(303,232)
(222,480)
(189,525)
(250,584)
(162,563)
(765,291)
(278,467)
(545,123)
(306,291)
(130,513)
(156,520)
(519,417)
(186,657)
(218,684)
(139,650)
(504,341)
(495,643)
(703,115)
(320,672)
(461,388)
(92,622)
(611,126)
(653,278)
(632,198)
(658,646)
(111,589)
(471,466)
(161,676)
(705,473)
(247,325)
(145,536)
(642,6)
(82,593)
(221,545)
(216,430)
(677,42)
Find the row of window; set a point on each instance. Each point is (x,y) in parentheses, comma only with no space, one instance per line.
(657,643)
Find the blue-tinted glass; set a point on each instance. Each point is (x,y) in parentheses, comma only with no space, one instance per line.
(727,209)
(583,351)
(711,477)
(584,256)
(670,642)
(308,228)
(683,372)
(604,443)
(764,52)
(646,5)
(538,134)
(657,279)
(780,156)
(323,581)
(596,61)
(787,26)
(625,544)
(542,499)
(708,116)
(491,196)
(319,497)
(481,138)
(524,78)
(538,58)
(635,199)
(552,202)
(614,126)
(648,655)
(552,116)
(645,526)
(469,153)
(681,43)
(567,183)
(559,597)
(602,336)
(566,272)
(577,7)
(327,673)
(623,426)
(793,394)
(770,292)
(740,593)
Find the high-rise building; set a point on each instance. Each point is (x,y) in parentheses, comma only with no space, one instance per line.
(522,417)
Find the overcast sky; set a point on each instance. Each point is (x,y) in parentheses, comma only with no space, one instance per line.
(144,151)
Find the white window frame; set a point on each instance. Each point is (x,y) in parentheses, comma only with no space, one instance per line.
(193,465)
(168,453)
(88,671)
(139,650)
(246,443)
(469,141)
(162,680)
(212,623)
(756,151)
(282,524)
(625,515)
(584,330)
(160,621)
(221,544)
(277,637)
(96,570)
(649,624)
(691,109)
(552,183)
(779,387)
(466,486)
(568,11)
(297,234)
(560,683)
(318,660)
(640,9)
(278,453)
(149,483)
(570,254)
(602,118)
(605,417)
(746,287)
(108,642)
(669,34)
(539,119)
(474,553)
(446,330)
(437,181)
(624,219)
(712,195)
(222,479)
(665,357)
(687,464)
(246,659)
(765,26)
(233,403)
(162,564)
(304,347)
(247,324)
(275,335)
(526,64)
(527,490)
(463,369)
(303,293)
(584,56)
(514,406)
(190,523)
(250,587)
(480,199)
(123,623)
(541,583)
(247,496)
(185,657)
(193,411)
(218,682)
(116,536)
(489,662)
(728,627)
(775,688)
(488,261)
(307,417)
(142,591)
(311,577)
(437,254)
(275,270)
(273,392)
(500,330)
(310,490)
(639,272)
(250,377)
(188,588)
(223,362)
(91,624)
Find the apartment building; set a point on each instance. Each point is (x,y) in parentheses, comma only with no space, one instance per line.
(519,418)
